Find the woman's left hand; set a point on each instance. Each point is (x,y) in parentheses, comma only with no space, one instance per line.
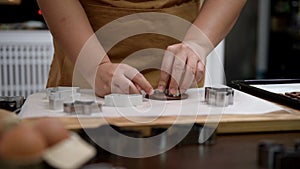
(182,67)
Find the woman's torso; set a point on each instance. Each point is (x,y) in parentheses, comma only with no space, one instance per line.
(103,12)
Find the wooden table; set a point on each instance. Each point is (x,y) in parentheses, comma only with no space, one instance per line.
(232,151)
(284,120)
(236,146)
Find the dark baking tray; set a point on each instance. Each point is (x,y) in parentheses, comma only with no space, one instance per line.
(245,86)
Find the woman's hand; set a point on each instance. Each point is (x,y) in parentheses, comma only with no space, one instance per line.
(182,67)
(184,63)
(120,78)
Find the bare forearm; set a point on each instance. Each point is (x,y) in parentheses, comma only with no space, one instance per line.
(216,19)
(69,25)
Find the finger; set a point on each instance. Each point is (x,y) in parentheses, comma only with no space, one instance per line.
(190,72)
(133,89)
(177,71)
(163,81)
(142,83)
(166,68)
(138,87)
(136,79)
(123,85)
(199,72)
(128,71)
(121,82)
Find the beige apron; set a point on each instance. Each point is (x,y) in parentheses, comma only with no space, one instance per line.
(101,12)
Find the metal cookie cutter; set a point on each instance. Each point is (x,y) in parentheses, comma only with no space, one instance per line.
(82,107)
(63,90)
(220,97)
(58,95)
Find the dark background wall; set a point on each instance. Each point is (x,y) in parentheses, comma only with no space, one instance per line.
(240,45)
(27,10)
(281,34)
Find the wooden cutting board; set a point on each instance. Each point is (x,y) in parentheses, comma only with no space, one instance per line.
(284,120)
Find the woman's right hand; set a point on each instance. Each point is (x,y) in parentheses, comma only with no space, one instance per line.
(120,78)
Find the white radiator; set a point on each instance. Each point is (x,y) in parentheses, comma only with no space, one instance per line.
(25,58)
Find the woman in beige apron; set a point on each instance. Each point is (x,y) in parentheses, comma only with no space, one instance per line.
(71,29)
